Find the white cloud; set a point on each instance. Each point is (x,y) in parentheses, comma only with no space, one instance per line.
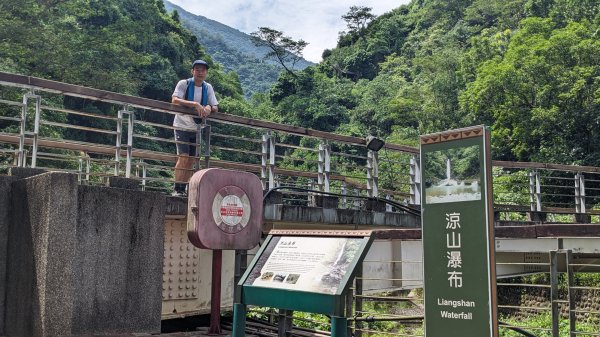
(317,22)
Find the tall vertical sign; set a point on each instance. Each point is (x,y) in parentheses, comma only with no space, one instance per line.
(458,234)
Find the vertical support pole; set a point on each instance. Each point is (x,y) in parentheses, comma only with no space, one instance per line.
(358,307)
(285,322)
(324,166)
(80,170)
(571,294)
(215,293)
(241,262)
(339,326)
(203,144)
(538,192)
(344,194)
(535,188)
(311,196)
(130,126)
(349,302)
(327,171)
(372,174)
(239,320)
(577,196)
(22,158)
(554,292)
(271,162)
(118,141)
(36,128)
(580,193)
(415,180)
(88,164)
(143,174)
(264,159)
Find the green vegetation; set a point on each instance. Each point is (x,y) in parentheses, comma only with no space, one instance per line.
(540,324)
(528,68)
(235,51)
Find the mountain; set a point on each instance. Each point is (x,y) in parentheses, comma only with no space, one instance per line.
(234,50)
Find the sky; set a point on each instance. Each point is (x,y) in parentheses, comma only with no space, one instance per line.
(317,22)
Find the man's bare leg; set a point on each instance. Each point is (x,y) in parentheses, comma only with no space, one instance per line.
(183,172)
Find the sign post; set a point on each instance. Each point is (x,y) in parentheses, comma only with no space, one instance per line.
(458,234)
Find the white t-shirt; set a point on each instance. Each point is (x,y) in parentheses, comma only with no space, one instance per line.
(187,121)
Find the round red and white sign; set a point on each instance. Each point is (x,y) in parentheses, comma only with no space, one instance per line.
(231,209)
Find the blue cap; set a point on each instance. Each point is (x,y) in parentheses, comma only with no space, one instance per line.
(202,62)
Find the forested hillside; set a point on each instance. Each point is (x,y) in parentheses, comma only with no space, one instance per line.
(128,46)
(234,50)
(528,68)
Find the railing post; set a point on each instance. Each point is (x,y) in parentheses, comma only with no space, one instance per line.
(571,294)
(119,140)
(555,312)
(130,126)
(344,192)
(535,195)
(580,193)
(143,164)
(203,141)
(415,180)
(358,283)
(36,127)
(324,166)
(271,162)
(21,155)
(372,174)
(80,170)
(388,206)
(264,160)
(311,196)
(88,164)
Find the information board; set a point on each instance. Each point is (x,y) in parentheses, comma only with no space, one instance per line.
(305,272)
(458,234)
(296,263)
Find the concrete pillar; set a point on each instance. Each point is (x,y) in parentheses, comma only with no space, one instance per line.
(41,249)
(118,265)
(5,206)
(82,260)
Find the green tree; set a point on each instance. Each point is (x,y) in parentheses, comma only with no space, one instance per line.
(285,50)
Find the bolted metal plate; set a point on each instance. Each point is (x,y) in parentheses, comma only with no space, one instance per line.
(180,264)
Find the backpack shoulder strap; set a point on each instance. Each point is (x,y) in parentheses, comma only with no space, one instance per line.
(189,91)
(204,94)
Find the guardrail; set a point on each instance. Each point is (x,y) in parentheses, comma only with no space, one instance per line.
(97,134)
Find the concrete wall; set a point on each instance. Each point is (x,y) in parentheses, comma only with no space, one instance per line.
(118,265)
(5,206)
(81,260)
(41,250)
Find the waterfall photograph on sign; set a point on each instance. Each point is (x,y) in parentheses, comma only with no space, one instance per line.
(453,175)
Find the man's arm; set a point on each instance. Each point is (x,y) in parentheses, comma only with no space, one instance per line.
(202,111)
(183,102)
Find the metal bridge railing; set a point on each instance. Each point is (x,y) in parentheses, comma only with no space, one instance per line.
(97,134)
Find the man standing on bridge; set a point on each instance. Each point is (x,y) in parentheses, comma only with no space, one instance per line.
(197,94)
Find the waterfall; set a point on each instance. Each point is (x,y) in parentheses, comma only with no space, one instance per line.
(448,169)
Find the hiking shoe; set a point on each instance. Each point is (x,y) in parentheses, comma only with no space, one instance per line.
(179,194)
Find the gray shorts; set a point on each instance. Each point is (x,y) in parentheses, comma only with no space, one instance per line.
(188,137)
